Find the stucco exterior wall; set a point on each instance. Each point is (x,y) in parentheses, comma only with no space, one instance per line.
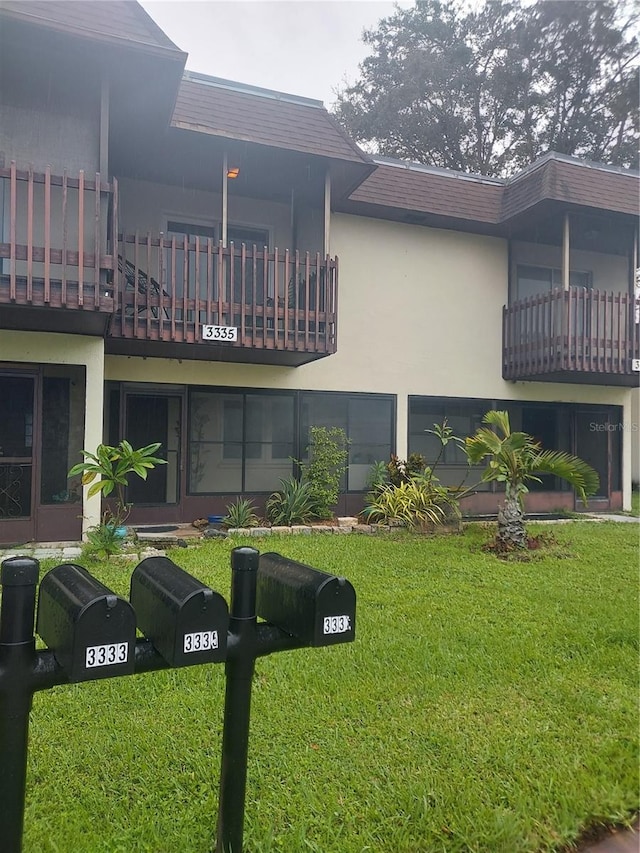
(48,116)
(48,348)
(420,313)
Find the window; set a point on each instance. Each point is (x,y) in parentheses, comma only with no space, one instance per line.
(239,442)
(246,441)
(253,283)
(366,419)
(463,416)
(535,280)
(249,286)
(175,264)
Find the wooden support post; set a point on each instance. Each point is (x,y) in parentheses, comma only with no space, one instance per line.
(566,250)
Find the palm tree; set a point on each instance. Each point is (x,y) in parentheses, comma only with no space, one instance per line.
(515,459)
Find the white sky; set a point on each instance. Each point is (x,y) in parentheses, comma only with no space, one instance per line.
(303,47)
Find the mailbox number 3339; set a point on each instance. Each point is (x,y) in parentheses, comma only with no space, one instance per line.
(336,624)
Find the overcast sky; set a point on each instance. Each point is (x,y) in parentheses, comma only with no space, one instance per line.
(303,47)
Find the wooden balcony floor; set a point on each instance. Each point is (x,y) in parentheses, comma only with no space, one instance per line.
(29,306)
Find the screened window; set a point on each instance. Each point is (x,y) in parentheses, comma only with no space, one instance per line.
(251,287)
(535,280)
(367,421)
(463,416)
(239,442)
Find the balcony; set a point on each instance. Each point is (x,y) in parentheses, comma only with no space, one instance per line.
(54,251)
(576,335)
(155,296)
(194,298)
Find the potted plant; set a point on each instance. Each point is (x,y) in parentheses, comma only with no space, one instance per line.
(113,466)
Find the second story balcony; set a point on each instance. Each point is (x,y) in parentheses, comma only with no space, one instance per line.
(577,335)
(55,259)
(195,298)
(165,296)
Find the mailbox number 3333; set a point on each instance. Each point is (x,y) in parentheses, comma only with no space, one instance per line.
(107,655)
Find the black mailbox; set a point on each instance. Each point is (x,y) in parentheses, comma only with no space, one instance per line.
(185,620)
(90,629)
(318,608)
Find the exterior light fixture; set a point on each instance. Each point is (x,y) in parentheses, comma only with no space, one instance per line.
(233,172)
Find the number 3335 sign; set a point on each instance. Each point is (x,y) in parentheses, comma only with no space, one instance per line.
(219,333)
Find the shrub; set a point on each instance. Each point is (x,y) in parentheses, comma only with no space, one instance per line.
(103,541)
(241,513)
(403,471)
(328,454)
(292,504)
(412,504)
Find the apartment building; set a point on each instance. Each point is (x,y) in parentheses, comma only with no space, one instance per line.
(218,267)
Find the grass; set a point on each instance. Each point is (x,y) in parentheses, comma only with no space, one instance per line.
(635,503)
(486,706)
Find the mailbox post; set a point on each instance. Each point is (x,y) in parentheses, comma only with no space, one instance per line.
(19,577)
(239,670)
(91,634)
(304,607)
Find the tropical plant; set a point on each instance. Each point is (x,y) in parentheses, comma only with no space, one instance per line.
(378,476)
(515,459)
(412,504)
(414,470)
(103,540)
(328,453)
(292,504)
(241,513)
(113,466)
(404,470)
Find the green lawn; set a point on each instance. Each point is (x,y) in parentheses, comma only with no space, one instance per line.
(485,706)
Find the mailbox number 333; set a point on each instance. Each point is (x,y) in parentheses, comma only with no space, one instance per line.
(336,624)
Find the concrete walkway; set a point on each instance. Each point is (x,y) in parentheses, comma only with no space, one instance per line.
(621,841)
(70,551)
(609,516)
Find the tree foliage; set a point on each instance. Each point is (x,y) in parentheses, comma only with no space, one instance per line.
(490,89)
(516,459)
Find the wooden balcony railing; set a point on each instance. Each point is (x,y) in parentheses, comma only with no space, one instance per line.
(173,290)
(575,334)
(55,234)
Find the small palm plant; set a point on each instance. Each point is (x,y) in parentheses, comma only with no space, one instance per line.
(515,459)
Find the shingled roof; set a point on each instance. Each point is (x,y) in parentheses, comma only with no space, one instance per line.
(436,191)
(114,21)
(561,178)
(396,190)
(234,111)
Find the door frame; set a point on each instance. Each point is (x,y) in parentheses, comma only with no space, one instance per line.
(24,529)
(603,500)
(167,512)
